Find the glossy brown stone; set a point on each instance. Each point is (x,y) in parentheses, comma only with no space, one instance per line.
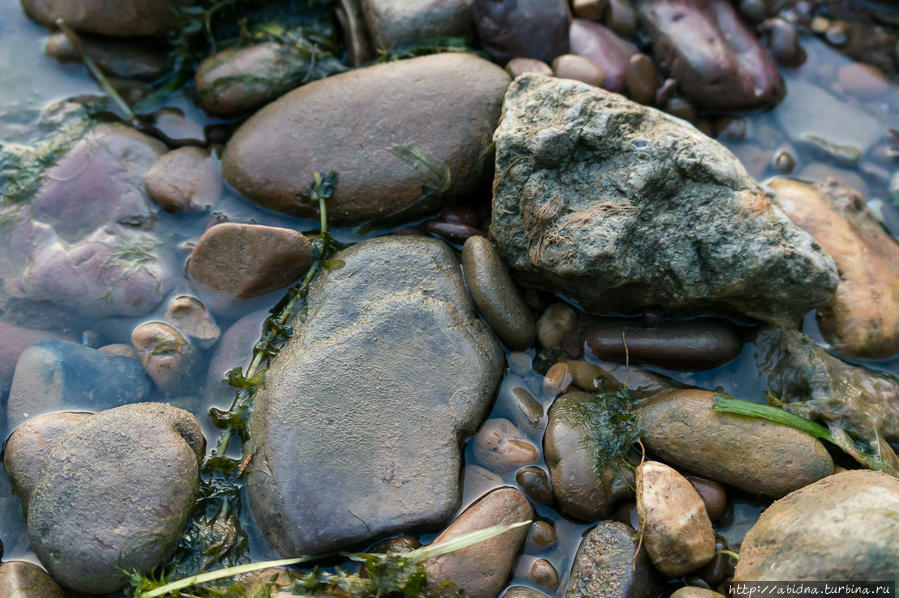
(713,495)
(572,66)
(642,79)
(535,483)
(601,46)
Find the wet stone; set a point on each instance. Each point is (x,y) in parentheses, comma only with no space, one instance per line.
(642,79)
(621,18)
(605,565)
(127,58)
(130,18)
(544,574)
(588,9)
(500,446)
(541,535)
(572,66)
(167,356)
(191,317)
(535,483)
(522,28)
(713,496)
(602,47)
(184,180)
(393,23)
(558,321)
(14,340)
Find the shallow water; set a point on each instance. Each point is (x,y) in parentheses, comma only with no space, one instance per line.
(30,80)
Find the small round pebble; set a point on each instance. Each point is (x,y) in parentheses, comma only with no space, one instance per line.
(541,535)
(558,378)
(558,321)
(713,495)
(571,66)
(535,483)
(500,446)
(544,574)
(519,66)
(621,18)
(642,79)
(784,161)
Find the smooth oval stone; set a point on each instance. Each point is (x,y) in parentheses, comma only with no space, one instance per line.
(535,483)
(191,318)
(57,375)
(713,495)
(684,345)
(572,66)
(752,454)
(21,579)
(115,494)
(608,565)
(27,448)
(676,529)
(496,295)
(843,527)
(544,574)
(500,446)
(783,39)
(387,130)
(455,232)
(109,17)
(621,18)
(481,569)
(716,59)
(642,80)
(168,358)
(601,46)
(185,179)
(393,23)
(248,260)
(517,66)
(522,28)
(863,80)
(557,321)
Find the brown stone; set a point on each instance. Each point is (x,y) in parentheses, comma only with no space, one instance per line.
(572,66)
(185,179)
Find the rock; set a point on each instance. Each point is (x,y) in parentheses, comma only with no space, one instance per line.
(854,402)
(394,23)
(132,18)
(558,378)
(676,529)
(21,579)
(27,448)
(523,592)
(588,9)
(783,39)
(621,18)
(841,528)
(535,483)
(248,260)
(517,66)
(524,409)
(500,446)
(608,565)
(481,570)
(576,420)
(715,57)
(184,180)
(713,496)
(496,295)
(698,344)
(541,534)
(356,38)
(57,375)
(374,391)
(862,79)
(237,80)
(14,340)
(695,592)
(862,319)
(522,28)
(407,136)
(234,349)
(557,322)
(544,574)
(601,46)
(127,58)
(752,454)
(115,494)
(572,66)
(167,357)
(191,317)
(671,219)
(641,80)
(454,232)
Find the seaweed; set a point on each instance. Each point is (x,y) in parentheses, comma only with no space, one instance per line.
(610,426)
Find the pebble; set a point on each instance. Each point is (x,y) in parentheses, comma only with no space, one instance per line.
(608,565)
(116,57)
(167,357)
(455,232)
(541,535)
(248,260)
(642,80)
(621,18)
(120,349)
(185,180)
(394,23)
(544,574)
(589,9)
(525,408)
(522,28)
(558,378)
(558,321)
(14,340)
(572,66)
(837,33)
(461,214)
(862,80)
(695,592)
(21,579)
(518,66)
(602,47)
(496,295)
(191,318)
(175,128)
(784,161)
(535,483)
(676,530)
(783,39)
(681,108)
(713,495)
(500,446)
(754,11)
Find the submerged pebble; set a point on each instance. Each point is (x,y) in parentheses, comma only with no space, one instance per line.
(500,446)
(167,356)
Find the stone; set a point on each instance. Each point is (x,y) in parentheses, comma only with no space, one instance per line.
(841,528)
(408,135)
(234,349)
(185,180)
(716,59)
(131,18)
(619,206)
(608,565)
(237,80)
(496,295)
(115,494)
(373,392)
(190,317)
(27,448)
(713,496)
(544,574)
(572,66)
(500,446)
(854,402)
(58,375)
(535,483)
(248,260)
(481,569)
(522,28)
(523,592)
(541,535)
(602,47)
(862,79)
(21,579)
(641,80)
(862,319)
(676,529)
(517,66)
(14,340)
(393,23)
(128,58)
(695,592)
(169,359)
(557,322)
(621,18)
(588,9)
(120,349)
(752,454)
(568,447)
(356,38)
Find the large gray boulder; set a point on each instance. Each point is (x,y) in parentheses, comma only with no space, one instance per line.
(618,206)
(356,432)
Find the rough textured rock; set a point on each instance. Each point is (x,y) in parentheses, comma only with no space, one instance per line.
(21,579)
(842,528)
(373,393)
(481,570)
(601,46)
(248,260)
(605,567)
(388,130)
(57,375)
(496,295)
(27,448)
(716,59)
(755,455)
(862,320)
(109,17)
(582,492)
(522,28)
(620,206)
(115,494)
(185,179)
(853,401)
(393,23)
(676,529)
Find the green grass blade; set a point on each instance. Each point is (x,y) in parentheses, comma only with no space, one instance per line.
(727,404)
(463,541)
(220,574)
